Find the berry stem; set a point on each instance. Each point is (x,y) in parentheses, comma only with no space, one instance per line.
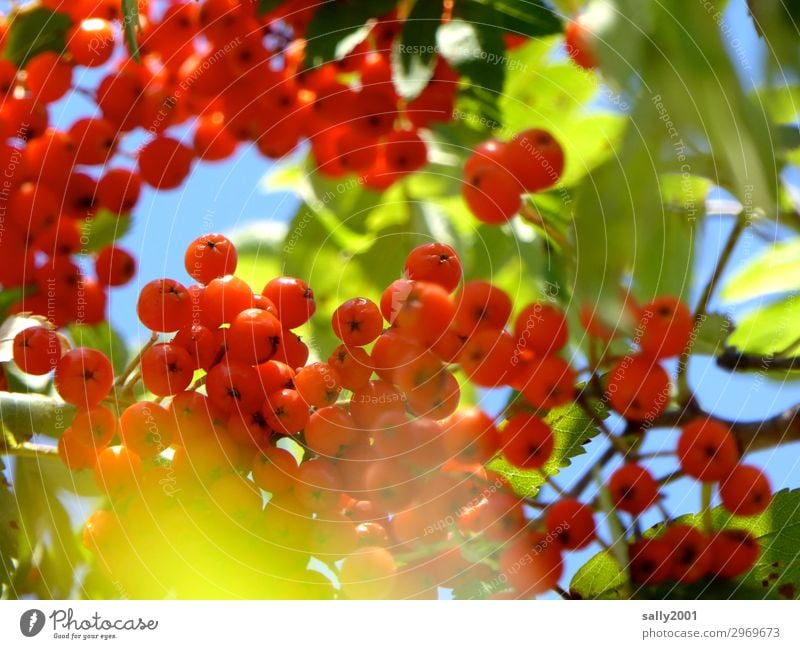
(27,449)
(705,504)
(136,360)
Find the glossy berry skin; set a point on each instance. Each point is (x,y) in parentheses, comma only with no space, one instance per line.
(164,305)
(274,470)
(406,152)
(549,383)
(254,337)
(732,553)
(689,559)
(167,369)
(91,42)
(638,389)
(527,442)
(223,299)
(209,257)
(352,365)
(535,159)
(164,163)
(330,430)
(37,350)
(114,266)
(146,428)
(118,190)
(532,564)
(287,412)
(75,455)
(84,376)
(434,262)
(746,491)
(318,385)
(94,427)
(357,322)
(234,387)
(633,489)
(492,193)
(665,327)
(481,303)
(470,435)
(542,328)
(707,451)
(572,522)
(293,299)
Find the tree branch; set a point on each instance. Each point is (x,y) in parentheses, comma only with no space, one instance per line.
(734,360)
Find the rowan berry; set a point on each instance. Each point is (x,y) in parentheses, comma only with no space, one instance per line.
(527,441)
(352,365)
(167,369)
(689,559)
(535,159)
(572,522)
(491,192)
(633,489)
(274,470)
(650,561)
(470,436)
(94,139)
(329,430)
(486,357)
(286,411)
(146,428)
(91,42)
(254,337)
(357,322)
(84,376)
(368,573)
(293,299)
(223,299)
(542,328)
(318,385)
(114,266)
(37,350)
(665,327)
(201,343)
(707,451)
(578,45)
(376,398)
(532,564)
(75,455)
(164,305)
(210,257)
(234,387)
(94,427)
(118,190)
(732,553)
(118,471)
(549,383)
(437,263)
(164,163)
(480,303)
(318,485)
(48,77)
(638,388)
(746,491)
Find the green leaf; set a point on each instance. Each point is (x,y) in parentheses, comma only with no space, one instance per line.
(335,29)
(782,103)
(531,18)
(23,415)
(476,50)
(768,330)
(131,26)
(776,270)
(710,335)
(102,230)
(572,430)
(601,577)
(33,31)
(414,53)
(103,337)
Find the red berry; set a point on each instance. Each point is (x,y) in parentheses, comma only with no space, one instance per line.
(486,357)
(352,365)
(527,441)
(164,305)
(254,337)
(638,388)
(287,412)
(732,553)
(114,266)
(689,558)
(665,327)
(234,387)
(481,303)
(746,491)
(368,573)
(578,45)
(118,471)
(318,485)
(633,489)
(535,159)
(293,299)
(37,350)
(542,328)
(492,193)
(75,455)
(94,427)
(146,428)
(49,77)
(223,299)
(164,163)
(572,522)
(118,190)
(436,263)
(94,139)
(91,42)
(357,322)
(650,561)
(318,385)
(330,430)
(84,376)
(532,564)
(548,383)
(201,343)
(166,369)
(274,470)
(424,312)
(209,257)
(406,152)
(471,436)
(707,451)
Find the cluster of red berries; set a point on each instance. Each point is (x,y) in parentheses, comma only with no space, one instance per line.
(365,457)
(498,173)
